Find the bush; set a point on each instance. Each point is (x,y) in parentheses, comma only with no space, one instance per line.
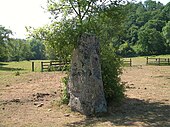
(51,68)
(111,70)
(65,96)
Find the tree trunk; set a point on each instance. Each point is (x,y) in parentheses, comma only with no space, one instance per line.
(85,81)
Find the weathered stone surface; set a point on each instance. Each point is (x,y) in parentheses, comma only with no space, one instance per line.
(85,81)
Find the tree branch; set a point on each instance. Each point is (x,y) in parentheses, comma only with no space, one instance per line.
(73,8)
(79,15)
(86,10)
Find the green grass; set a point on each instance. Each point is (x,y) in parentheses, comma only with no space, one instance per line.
(160,56)
(141,60)
(24,66)
(17,71)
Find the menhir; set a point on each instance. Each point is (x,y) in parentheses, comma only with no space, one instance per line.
(85,86)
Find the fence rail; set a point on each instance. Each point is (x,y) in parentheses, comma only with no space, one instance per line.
(157,61)
(59,66)
(128,62)
(53,65)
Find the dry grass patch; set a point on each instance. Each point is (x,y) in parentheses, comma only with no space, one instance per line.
(31,100)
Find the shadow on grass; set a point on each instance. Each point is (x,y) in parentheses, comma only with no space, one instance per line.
(161,64)
(2,64)
(2,68)
(132,113)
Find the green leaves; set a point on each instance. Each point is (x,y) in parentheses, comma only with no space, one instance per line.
(166,31)
(151,40)
(166,34)
(81,11)
(4,34)
(111,70)
(20,50)
(4,43)
(143,28)
(77,17)
(58,37)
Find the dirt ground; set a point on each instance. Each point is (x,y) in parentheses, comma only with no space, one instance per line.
(31,100)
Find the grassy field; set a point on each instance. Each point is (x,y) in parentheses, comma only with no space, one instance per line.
(31,99)
(9,70)
(24,66)
(142,59)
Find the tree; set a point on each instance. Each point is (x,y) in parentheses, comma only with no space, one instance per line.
(59,39)
(27,54)
(151,41)
(82,15)
(166,34)
(77,17)
(37,48)
(76,9)
(4,40)
(20,50)
(150,15)
(150,5)
(165,12)
(155,24)
(100,18)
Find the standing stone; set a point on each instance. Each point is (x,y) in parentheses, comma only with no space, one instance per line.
(85,81)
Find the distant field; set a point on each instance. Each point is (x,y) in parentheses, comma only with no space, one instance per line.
(24,66)
(141,60)
(8,71)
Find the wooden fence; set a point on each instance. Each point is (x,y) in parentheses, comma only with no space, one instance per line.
(54,66)
(60,66)
(158,61)
(128,62)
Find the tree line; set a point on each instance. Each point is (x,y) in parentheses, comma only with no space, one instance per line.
(13,49)
(134,29)
(146,29)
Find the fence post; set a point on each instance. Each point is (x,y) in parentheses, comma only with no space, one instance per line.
(147,60)
(159,61)
(130,62)
(41,66)
(32,66)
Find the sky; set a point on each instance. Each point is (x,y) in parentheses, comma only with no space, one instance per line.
(162,1)
(16,14)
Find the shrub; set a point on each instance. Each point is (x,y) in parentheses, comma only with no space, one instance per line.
(51,68)
(111,70)
(65,96)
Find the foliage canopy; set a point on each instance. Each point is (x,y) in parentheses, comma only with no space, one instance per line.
(72,18)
